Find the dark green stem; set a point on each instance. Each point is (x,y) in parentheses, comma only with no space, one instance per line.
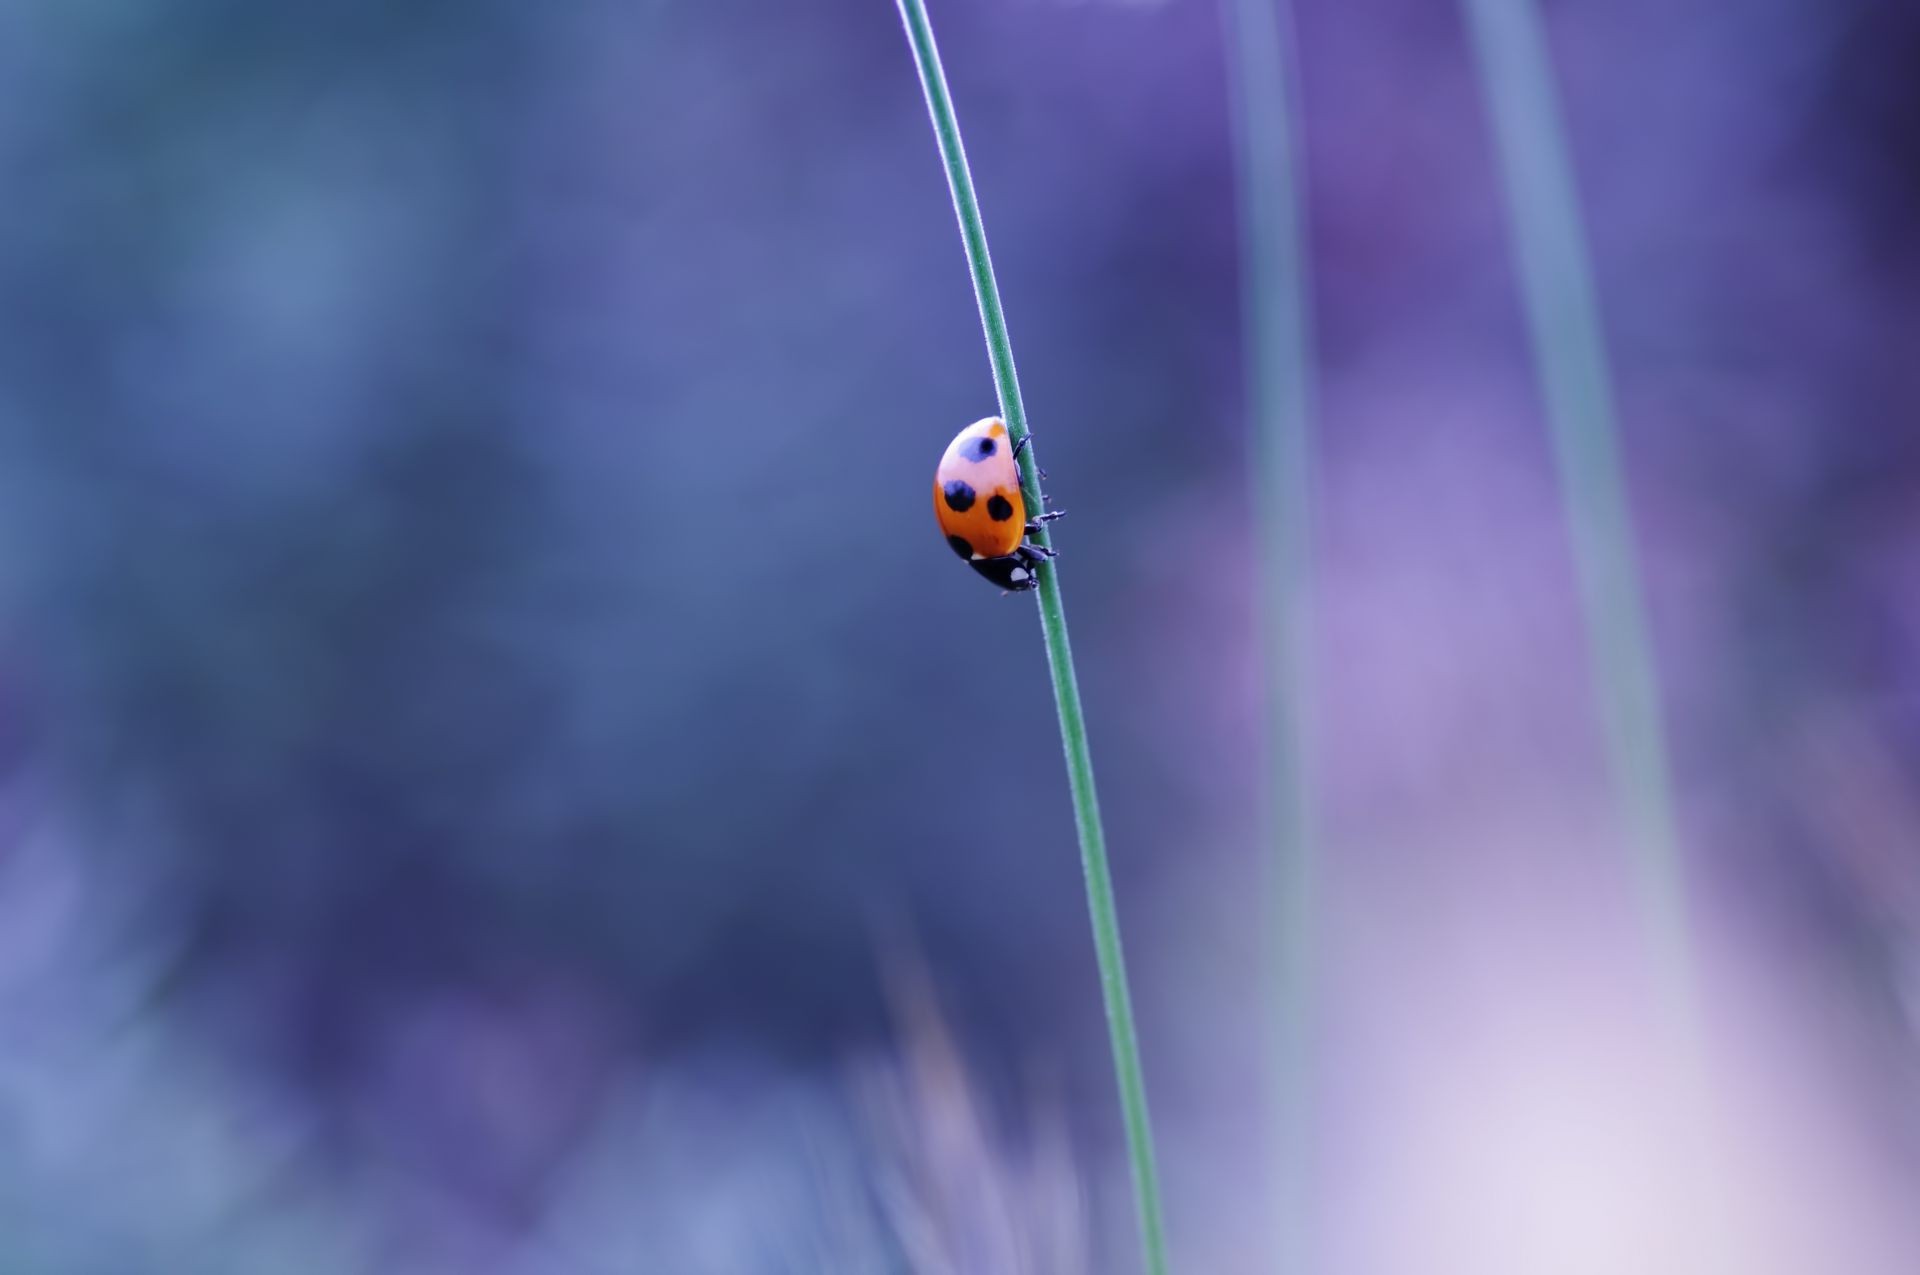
(1053,626)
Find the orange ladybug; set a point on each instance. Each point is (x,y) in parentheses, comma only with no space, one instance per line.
(976,498)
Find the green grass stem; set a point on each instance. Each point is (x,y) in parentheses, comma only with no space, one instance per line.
(1053,626)
(1564,320)
(1280,391)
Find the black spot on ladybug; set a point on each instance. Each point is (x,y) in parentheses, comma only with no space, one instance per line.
(960,546)
(999,508)
(983,448)
(959,496)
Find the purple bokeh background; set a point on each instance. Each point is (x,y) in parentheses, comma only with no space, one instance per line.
(484,713)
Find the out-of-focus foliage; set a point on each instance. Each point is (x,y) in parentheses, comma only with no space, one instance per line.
(475,658)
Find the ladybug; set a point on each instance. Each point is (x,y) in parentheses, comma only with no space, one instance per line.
(977,500)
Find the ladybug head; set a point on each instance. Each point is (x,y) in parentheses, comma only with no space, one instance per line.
(1013,573)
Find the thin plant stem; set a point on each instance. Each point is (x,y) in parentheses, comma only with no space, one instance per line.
(1053,626)
(1564,320)
(1280,391)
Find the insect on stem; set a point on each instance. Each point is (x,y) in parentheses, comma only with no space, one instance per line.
(1053,626)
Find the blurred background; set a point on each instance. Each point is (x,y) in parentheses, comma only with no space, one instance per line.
(499,773)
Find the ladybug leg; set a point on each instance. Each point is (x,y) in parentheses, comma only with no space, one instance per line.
(1034,555)
(1021,446)
(1034,524)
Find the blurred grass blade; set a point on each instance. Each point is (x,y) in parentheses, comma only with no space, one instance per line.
(1276,292)
(1564,320)
(1053,626)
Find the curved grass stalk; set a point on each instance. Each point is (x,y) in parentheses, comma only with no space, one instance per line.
(1053,626)
(1280,393)
(1564,321)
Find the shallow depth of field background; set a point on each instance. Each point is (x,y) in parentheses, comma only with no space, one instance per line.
(489,731)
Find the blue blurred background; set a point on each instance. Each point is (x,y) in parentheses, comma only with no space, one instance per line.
(499,773)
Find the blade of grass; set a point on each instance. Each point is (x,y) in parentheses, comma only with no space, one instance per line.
(1053,627)
(1279,358)
(1564,320)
